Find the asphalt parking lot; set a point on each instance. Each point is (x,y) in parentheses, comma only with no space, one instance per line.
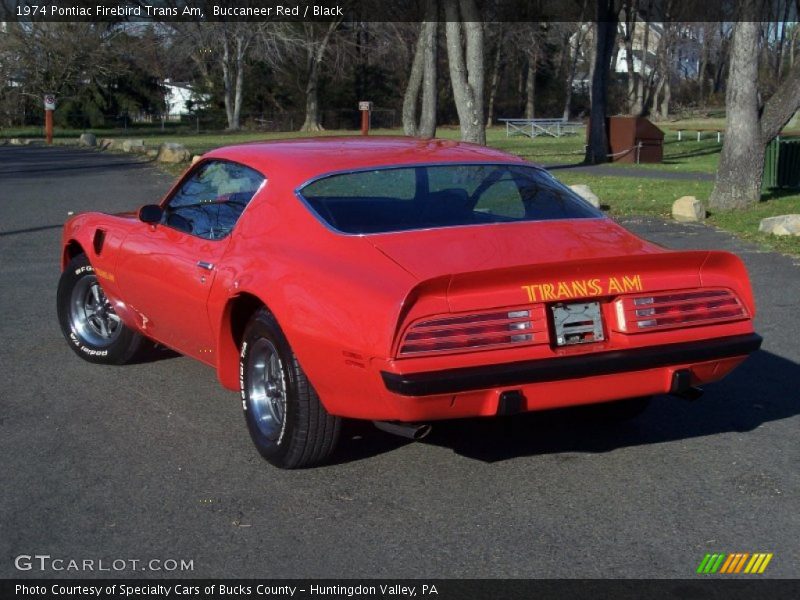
(153,461)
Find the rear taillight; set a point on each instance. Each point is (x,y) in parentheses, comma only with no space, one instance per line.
(677,309)
(511,327)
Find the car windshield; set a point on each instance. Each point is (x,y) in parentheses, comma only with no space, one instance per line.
(430,196)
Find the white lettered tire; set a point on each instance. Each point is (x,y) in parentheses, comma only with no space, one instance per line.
(87,319)
(286,420)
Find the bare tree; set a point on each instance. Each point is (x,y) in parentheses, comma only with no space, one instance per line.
(749,129)
(497,66)
(628,30)
(576,41)
(317,39)
(57,58)
(228,45)
(606,15)
(465,59)
(423,77)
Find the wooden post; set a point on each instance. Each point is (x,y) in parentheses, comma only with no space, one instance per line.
(366,109)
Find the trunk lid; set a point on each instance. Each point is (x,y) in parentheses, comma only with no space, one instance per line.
(548,261)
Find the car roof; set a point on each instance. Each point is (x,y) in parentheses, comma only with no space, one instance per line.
(298,160)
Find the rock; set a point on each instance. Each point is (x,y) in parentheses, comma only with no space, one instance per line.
(781,225)
(133,146)
(688,209)
(87,139)
(170,152)
(106,143)
(15,142)
(196,158)
(152,152)
(34,142)
(585,192)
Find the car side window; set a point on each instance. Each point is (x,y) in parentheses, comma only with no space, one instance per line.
(210,201)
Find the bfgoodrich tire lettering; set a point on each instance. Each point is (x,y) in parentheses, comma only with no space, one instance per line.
(87,319)
(286,420)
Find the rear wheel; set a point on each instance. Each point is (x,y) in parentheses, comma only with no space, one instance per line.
(286,420)
(87,318)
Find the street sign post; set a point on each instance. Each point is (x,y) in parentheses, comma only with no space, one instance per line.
(366,109)
(49,107)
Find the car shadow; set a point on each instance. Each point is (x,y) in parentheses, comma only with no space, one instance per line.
(151,353)
(762,389)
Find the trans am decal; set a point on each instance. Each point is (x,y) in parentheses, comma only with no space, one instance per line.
(583,288)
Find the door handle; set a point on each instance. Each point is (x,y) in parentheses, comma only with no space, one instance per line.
(205,265)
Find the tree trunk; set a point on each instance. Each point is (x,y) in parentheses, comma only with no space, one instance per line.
(573,67)
(639,104)
(465,61)
(315,56)
(227,83)
(495,79)
(741,163)
(239,87)
(414,84)
(664,112)
(605,38)
(423,77)
(530,83)
(430,78)
(630,30)
(701,73)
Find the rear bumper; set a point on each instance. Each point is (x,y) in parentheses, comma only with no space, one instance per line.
(453,381)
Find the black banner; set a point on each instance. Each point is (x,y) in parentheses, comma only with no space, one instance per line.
(722,588)
(380,10)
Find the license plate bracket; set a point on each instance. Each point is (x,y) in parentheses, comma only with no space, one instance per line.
(577,323)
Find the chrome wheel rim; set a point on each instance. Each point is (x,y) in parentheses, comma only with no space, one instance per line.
(267,388)
(91,315)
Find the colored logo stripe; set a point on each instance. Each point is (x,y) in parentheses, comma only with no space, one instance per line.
(734,563)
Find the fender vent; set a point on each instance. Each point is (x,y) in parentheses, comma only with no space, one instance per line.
(98,241)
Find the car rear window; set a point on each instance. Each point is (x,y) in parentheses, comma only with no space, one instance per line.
(431,196)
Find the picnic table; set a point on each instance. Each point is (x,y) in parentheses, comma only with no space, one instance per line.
(536,127)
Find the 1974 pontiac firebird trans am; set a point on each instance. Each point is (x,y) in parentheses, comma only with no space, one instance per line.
(401,281)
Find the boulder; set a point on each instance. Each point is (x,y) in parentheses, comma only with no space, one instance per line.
(196,158)
(87,139)
(133,146)
(688,209)
(781,225)
(15,142)
(585,192)
(106,143)
(170,152)
(152,152)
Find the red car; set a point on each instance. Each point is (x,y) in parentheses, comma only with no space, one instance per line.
(401,281)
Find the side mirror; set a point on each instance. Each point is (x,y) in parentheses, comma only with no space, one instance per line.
(150,213)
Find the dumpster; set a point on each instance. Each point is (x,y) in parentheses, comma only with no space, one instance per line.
(634,140)
(782,163)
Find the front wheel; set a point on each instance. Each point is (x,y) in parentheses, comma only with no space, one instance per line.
(287,422)
(87,318)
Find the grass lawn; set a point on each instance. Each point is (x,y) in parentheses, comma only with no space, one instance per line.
(623,196)
(629,196)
